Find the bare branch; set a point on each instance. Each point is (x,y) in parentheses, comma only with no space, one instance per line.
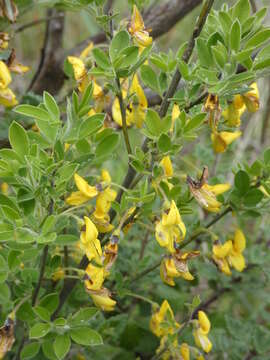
(50,75)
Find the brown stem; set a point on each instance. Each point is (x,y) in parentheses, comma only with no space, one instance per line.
(49,75)
(37,22)
(186,56)
(41,274)
(143,246)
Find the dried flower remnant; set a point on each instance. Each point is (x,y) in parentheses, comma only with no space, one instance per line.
(206,194)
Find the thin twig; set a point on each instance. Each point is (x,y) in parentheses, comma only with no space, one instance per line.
(186,56)
(123,116)
(41,274)
(37,22)
(42,54)
(144,243)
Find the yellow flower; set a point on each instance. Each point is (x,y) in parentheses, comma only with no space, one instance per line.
(213,110)
(177,266)
(251,98)
(217,189)
(104,200)
(5,77)
(58,274)
(222,139)
(136,109)
(202,328)
(94,277)
(80,74)
(167,166)
(175,114)
(184,351)
(162,321)
(103,301)
(89,241)
(230,253)
(206,194)
(4,188)
(84,54)
(78,67)
(85,193)
(170,230)
(137,29)
(233,113)
(7,97)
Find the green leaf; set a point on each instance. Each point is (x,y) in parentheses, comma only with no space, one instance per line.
(242,181)
(24,235)
(153,122)
(47,349)
(204,53)
(3,269)
(61,346)
(253,197)
(194,122)
(235,36)
(107,145)
(184,70)
(83,316)
(128,57)
(86,336)
(119,42)
(219,57)
(91,125)
(243,55)
(262,64)
(32,111)
(241,10)
(46,238)
(42,313)
(66,172)
(30,350)
(18,139)
(39,330)
(164,143)
(149,77)
(48,224)
(51,106)
(101,59)
(50,302)
(66,239)
(258,39)
(48,129)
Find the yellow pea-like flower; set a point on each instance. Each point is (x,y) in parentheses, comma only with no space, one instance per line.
(161,317)
(103,301)
(7,97)
(137,29)
(202,328)
(222,139)
(167,166)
